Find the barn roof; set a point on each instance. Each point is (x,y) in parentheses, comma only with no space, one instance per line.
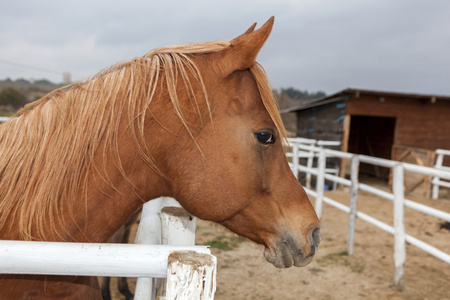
(347,93)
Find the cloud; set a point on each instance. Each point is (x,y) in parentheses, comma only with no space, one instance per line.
(315,45)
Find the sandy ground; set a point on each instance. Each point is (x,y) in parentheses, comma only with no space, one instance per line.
(367,274)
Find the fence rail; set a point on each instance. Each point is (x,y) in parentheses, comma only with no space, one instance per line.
(88,259)
(397,196)
(437,182)
(148,260)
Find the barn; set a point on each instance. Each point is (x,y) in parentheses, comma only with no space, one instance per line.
(383,124)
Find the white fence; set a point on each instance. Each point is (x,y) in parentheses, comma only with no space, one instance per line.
(309,155)
(398,230)
(437,182)
(146,260)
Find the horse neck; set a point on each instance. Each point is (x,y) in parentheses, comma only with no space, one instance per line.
(95,195)
(113,200)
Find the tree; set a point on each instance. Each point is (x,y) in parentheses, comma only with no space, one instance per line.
(12,96)
(299,95)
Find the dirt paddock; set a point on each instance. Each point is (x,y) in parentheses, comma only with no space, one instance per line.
(367,274)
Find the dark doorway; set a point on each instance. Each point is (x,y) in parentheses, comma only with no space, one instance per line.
(373,136)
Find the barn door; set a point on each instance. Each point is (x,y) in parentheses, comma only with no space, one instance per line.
(373,136)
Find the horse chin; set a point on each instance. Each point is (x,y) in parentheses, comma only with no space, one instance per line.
(284,255)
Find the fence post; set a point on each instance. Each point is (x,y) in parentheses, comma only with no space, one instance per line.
(309,164)
(295,159)
(191,276)
(169,201)
(177,229)
(320,185)
(353,203)
(435,181)
(399,227)
(148,233)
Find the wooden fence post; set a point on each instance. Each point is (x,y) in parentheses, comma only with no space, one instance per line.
(439,161)
(191,276)
(320,184)
(177,229)
(149,233)
(399,227)
(353,203)
(309,164)
(295,158)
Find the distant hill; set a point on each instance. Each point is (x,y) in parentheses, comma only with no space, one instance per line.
(16,93)
(30,86)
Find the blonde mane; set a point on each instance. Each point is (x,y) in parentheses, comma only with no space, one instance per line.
(47,151)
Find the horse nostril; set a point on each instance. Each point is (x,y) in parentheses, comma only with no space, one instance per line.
(316,237)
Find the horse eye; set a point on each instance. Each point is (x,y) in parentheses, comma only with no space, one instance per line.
(265,138)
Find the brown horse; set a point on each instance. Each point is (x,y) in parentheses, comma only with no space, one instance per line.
(195,122)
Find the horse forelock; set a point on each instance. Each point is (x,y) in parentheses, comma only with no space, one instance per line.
(48,150)
(268,98)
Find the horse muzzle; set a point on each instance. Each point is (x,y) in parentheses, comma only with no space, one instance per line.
(288,251)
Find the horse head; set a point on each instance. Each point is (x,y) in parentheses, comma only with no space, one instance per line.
(237,174)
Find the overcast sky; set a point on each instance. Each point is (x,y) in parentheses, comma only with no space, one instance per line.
(397,45)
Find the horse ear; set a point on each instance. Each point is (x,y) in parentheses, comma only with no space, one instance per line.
(251,29)
(243,50)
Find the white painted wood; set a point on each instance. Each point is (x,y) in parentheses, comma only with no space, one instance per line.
(408,203)
(149,230)
(336,179)
(386,163)
(383,226)
(191,276)
(428,248)
(169,201)
(407,166)
(309,154)
(442,151)
(308,145)
(299,140)
(148,233)
(163,222)
(320,185)
(428,210)
(87,259)
(295,159)
(353,203)
(439,162)
(439,159)
(309,164)
(442,173)
(441,183)
(399,235)
(328,143)
(177,228)
(144,289)
(377,161)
